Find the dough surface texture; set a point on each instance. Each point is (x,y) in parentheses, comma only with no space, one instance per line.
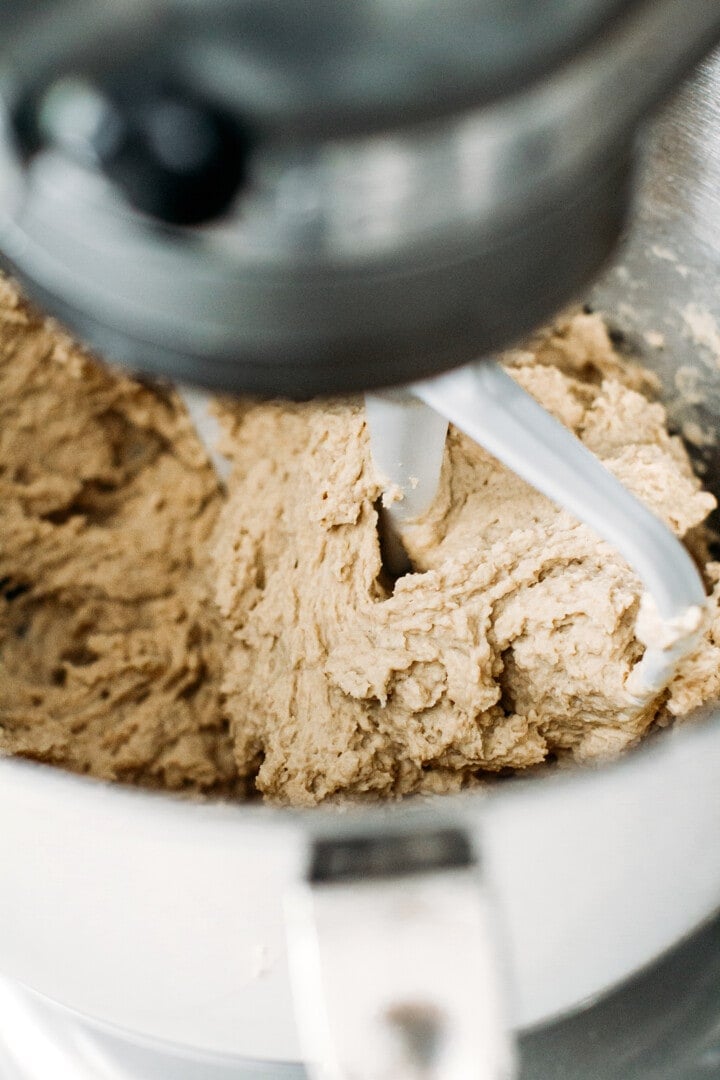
(109,650)
(158,631)
(510,643)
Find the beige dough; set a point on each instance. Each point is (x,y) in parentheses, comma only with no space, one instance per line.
(313,677)
(511,642)
(109,656)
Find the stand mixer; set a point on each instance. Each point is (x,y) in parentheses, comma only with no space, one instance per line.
(348,198)
(265,201)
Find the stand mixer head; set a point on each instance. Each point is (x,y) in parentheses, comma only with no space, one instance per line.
(400,192)
(341,198)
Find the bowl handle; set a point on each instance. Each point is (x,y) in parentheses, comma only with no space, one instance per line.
(392,950)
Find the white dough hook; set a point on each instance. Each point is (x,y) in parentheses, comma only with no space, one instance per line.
(483,401)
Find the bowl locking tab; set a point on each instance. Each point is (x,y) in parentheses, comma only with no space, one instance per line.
(392,948)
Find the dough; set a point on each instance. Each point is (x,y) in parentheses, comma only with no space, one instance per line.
(511,642)
(110,655)
(150,634)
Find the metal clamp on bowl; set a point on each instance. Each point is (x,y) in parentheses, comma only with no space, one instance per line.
(392,955)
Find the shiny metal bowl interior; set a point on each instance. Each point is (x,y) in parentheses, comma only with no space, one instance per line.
(662,296)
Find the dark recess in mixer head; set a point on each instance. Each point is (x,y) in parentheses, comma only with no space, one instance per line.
(174,157)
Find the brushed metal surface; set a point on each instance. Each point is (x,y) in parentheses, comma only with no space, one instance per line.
(662,297)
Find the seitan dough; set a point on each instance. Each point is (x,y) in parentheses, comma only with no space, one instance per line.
(509,644)
(110,661)
(151,634)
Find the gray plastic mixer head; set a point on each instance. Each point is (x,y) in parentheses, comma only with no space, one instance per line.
(328,197)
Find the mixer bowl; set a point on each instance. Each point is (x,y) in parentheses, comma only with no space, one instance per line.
(164,918)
